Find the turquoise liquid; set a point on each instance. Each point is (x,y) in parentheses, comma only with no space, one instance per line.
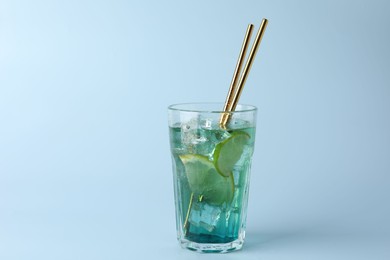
(197,220)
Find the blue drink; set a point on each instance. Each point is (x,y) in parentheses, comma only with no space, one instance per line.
(211,167)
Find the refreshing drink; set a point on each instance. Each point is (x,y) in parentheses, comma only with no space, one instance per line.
(211,166)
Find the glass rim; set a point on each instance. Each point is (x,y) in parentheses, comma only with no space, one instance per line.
(185,107)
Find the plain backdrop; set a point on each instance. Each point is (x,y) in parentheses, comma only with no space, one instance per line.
(85,167)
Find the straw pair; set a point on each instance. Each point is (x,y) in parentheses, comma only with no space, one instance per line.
(238,82)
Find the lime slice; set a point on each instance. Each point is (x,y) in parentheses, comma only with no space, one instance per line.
(205,181)
(229,151)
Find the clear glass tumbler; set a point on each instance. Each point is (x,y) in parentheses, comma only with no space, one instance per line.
(211,169)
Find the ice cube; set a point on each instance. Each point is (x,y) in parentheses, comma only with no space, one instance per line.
(205,216)
(207,123)
(190,125)
(217,136)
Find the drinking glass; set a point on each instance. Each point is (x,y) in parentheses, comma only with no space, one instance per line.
(211,170)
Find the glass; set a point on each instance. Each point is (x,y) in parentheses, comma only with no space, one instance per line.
(211,170)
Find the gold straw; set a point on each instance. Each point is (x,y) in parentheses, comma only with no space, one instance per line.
(237,71)
(234,95)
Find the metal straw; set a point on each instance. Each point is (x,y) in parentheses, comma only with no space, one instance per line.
(236,74)
(235,91)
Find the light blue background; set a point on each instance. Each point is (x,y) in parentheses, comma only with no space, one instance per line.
(85,170)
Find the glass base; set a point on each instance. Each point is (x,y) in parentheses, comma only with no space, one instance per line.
(212,248)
